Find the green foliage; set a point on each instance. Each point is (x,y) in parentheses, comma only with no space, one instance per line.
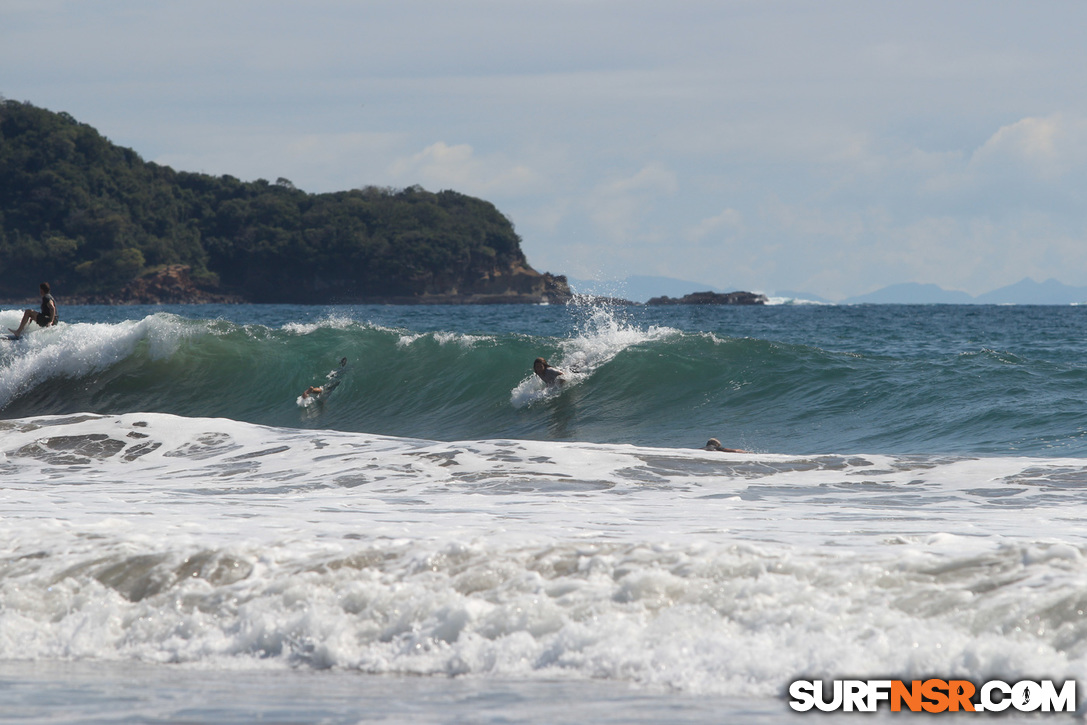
(113,268)
(90,216)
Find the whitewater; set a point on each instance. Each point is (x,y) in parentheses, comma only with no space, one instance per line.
(442,539)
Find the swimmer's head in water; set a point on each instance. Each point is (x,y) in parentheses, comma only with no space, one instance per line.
(539,365)
(715,445)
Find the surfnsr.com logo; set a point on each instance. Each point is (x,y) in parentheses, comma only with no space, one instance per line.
(933,695)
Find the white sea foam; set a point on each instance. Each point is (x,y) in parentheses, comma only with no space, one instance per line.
(601,336)
(796,301)
(155,538)
(73,350)
(334,322)
(444,338)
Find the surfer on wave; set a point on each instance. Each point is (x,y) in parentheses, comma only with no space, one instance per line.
(45,318)
(550,376)
(333,381)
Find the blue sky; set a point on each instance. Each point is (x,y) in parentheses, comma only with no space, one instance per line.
(829,147)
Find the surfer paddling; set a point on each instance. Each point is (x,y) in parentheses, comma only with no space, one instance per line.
(45,318)
(550,376)
(715,445)
(333,381)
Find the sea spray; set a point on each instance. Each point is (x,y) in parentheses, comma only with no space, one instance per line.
(601,333)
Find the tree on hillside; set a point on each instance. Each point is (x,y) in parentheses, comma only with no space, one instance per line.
(91,216)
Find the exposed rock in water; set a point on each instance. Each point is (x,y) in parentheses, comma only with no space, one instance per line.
(712,298)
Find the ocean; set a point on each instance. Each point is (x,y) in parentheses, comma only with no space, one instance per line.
(442,539)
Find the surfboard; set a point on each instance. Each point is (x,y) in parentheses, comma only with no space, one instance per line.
(333,380)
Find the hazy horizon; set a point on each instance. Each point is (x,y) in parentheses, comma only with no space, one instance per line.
(836,148)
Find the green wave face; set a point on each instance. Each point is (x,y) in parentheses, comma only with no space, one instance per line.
(645,383)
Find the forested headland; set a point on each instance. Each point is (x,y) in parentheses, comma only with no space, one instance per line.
(103,225)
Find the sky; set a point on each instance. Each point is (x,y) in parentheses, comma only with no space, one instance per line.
(826,147)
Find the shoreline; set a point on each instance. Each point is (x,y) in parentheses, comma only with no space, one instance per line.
(97,301)
(199,298)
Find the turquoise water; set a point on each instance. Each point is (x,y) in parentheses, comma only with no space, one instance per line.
(803,379)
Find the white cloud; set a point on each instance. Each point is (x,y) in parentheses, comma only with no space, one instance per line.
(313,162)
(618,207)
(1048,147)
(1036,165)
(728,220)
(441,166)
(813,222)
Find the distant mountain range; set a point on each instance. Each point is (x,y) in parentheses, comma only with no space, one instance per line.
(1024,292)
(640,288)
(912,293)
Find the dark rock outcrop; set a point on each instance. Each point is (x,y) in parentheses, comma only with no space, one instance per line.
(712,298)
(171,285)
(524,286)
